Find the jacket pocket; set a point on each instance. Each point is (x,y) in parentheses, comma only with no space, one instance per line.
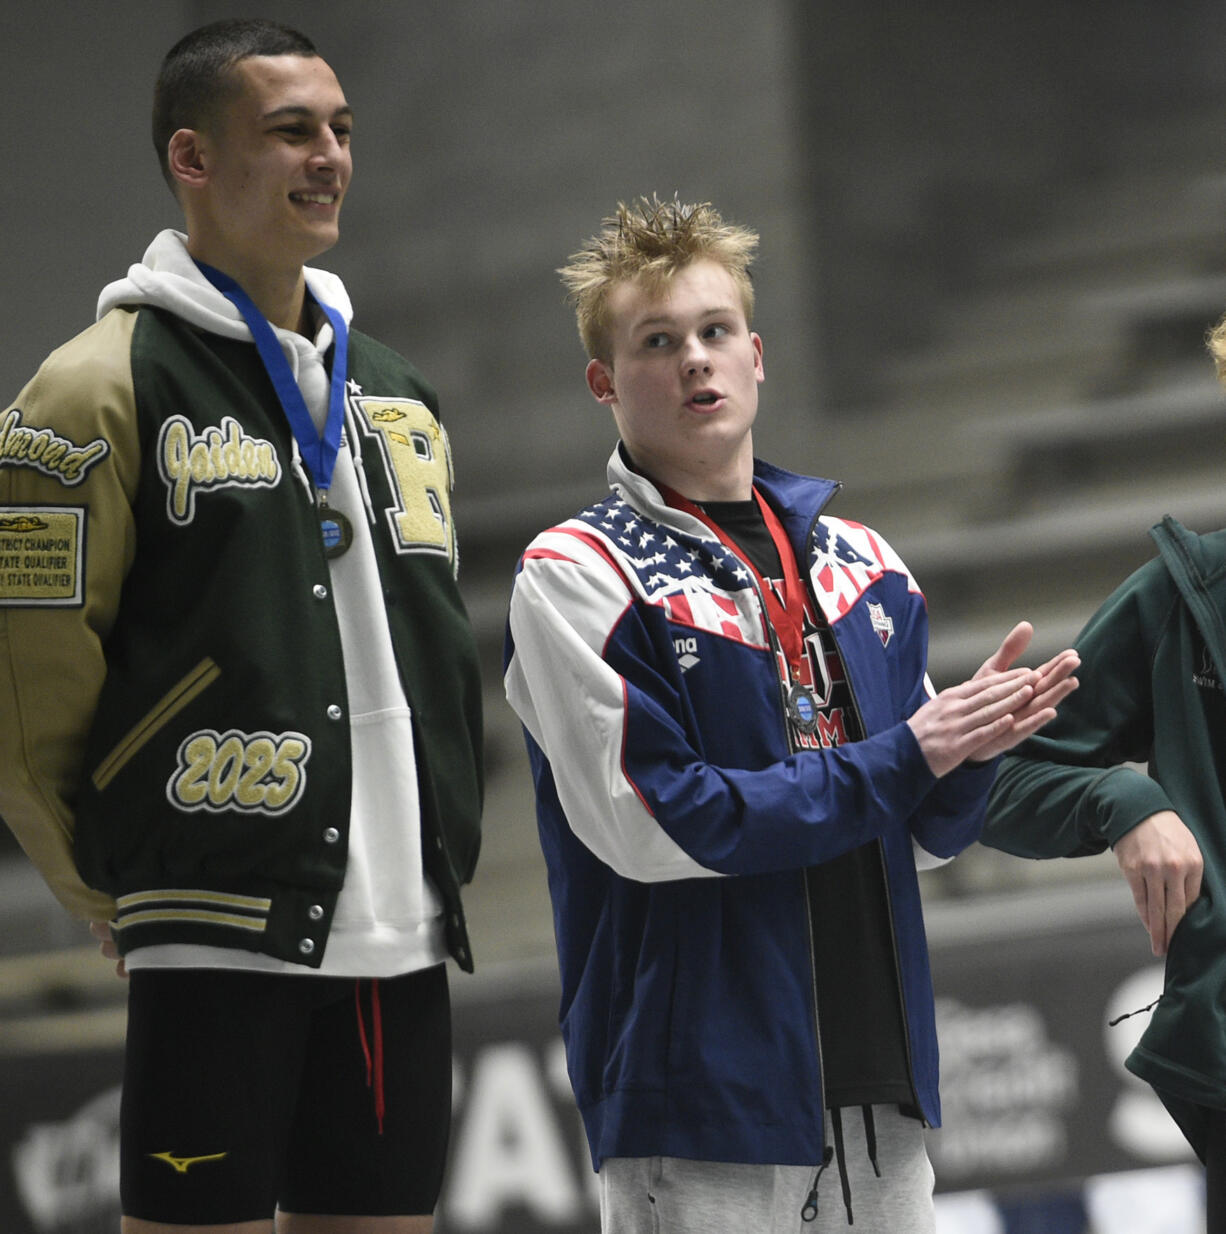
(154,720)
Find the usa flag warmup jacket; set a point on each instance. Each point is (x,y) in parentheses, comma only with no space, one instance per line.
(676,819)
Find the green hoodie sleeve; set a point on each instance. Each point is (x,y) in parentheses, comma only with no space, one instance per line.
(1066,792)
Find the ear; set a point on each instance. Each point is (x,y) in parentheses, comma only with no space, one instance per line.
(759,371)
(185,156)
(600,381)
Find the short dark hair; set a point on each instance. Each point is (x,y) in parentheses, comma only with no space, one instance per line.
(196,78)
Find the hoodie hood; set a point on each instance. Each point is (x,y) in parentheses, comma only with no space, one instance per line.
(167,278)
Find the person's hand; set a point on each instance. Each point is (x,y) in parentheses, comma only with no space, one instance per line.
(1055,683)
(1162,862)
(101,930)
(998,707)
(969,717)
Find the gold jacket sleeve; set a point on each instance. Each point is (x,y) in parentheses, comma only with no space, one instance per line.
(69,457)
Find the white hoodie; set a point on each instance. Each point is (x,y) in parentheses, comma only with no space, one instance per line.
(388,918)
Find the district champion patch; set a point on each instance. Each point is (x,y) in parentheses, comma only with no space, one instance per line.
(42,556)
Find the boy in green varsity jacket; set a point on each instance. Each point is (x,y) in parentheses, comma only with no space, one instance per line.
(240,700)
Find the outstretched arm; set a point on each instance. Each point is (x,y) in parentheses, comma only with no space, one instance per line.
(1075,789)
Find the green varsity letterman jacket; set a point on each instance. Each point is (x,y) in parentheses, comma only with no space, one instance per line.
(174,736)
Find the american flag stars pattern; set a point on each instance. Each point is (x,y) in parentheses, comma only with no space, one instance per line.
(845,559)
(699,583)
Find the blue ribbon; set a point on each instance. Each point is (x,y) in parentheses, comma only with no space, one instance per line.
(318,450)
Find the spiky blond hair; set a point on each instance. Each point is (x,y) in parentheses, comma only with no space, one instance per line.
(648,242)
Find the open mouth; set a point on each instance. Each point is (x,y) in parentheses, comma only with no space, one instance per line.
(706,399)
(315,199)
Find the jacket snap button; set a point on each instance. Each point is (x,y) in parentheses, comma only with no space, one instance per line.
(306,946)
(334,712)
(315,912)
(331,835)
(321,592)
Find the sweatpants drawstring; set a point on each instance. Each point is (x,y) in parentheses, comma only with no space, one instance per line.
(809,1212)
(836,1121)
(870,1137)
(374,1067)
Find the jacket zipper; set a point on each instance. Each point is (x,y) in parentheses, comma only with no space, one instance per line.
(902,997)
(889,906)
(809,1211)
(889,903)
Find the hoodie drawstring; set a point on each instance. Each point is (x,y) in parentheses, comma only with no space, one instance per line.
(355,450)
(374,1066)
(299,472)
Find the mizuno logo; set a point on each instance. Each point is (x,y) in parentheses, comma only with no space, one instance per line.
(183,1164)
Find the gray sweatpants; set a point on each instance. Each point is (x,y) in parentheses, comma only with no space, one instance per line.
(670,1195)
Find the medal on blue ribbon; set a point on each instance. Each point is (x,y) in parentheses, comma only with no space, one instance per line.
(318,450)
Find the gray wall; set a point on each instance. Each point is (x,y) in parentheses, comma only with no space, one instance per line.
(491,138)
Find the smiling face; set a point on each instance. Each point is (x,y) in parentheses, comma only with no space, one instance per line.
(262,187)
(682,381)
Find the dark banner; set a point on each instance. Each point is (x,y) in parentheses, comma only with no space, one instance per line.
(1044,1129)
(1032,1072)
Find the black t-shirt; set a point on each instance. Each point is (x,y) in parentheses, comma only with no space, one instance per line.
(859,999)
